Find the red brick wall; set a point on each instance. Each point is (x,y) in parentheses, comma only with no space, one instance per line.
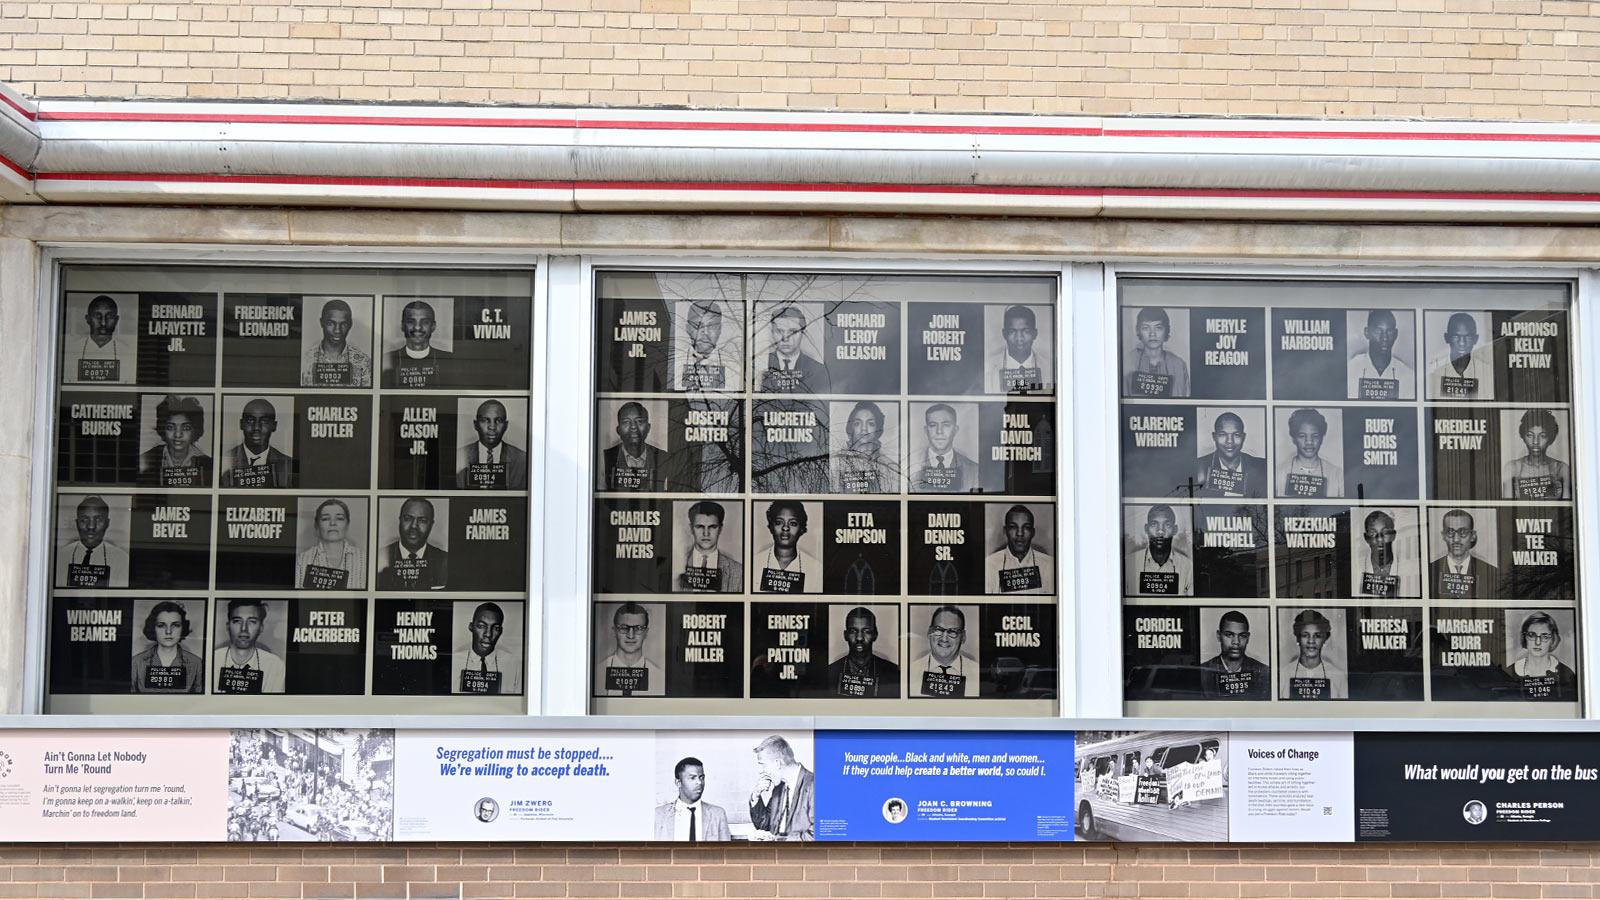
(841,870)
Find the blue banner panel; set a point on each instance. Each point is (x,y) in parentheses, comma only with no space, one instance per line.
(944,786)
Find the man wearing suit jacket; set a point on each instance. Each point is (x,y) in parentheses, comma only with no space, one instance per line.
(789,369)
(1229,471)
(783,805)
(943,469)
(633,464)
(411,563)
(1461,574)
(490,462)
(687,817)
(417,363)
(254,462)
(707,568)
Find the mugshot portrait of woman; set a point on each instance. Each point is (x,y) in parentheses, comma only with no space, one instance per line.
(1306,473)
(1536,475)
(333,562)
(1154,371)
(861,467)
(1542,675)
(167,667)
(179,460)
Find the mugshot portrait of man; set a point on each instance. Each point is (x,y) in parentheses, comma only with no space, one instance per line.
(1233,674)
(1014,367)
(333,362)
(485,663)
(1460,372)
(943,468)
(861,672)
(1159,568)
(634,464)
(1459,572)
(1377,373)
(1020,566)
(1228,471)
(704,361)
(628,671)
(1152,370)
(491,462)
(686,817)
(179,459)
(783,804)
(418,363)
(244,665)
(707,568)
(254,462)
(787,569)
(863,465)
(167,666)
(411,562)
(106,354)
(947,670)
(92,561)
(1386,563)
(789,369)
(1310,673)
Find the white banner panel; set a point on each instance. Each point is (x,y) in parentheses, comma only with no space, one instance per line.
(1291,787)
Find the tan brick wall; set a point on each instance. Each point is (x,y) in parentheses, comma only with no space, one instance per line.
(968,870)
(1495,59)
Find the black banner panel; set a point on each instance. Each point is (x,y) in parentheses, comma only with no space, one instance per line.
(862,471)
(301,490)
(1373,480)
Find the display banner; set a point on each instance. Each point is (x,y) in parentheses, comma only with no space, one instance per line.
(944,786)
(1291,787)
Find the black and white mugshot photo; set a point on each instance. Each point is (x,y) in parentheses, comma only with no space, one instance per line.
(1386,552)
(1233,459)
(99,343)
(1462,542)
(258,433)
(1235,653)
(413,543)
(708,546)
(786,547)
(943,441)
(1020,539)
(336,346)
(418,343)
(864,447)
(707,346)
(944,650)
(1459,347)
(717,785)
(494,455)
(1158,550)
(630,649)
(1542,653)
(1155,340)
(788,351)
(330,545)
(1019,345)
(175,441)
(630,435)
(1381,344)
(863,650)
(486,652)
(1313,659)
(169,645)
(93,534)
(1534,444)
(247,656)
(1309,444)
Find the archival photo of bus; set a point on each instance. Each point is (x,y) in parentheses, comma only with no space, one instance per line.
(1152,786)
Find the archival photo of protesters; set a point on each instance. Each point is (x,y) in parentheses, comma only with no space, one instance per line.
(787,348)
(1151,786)
(944,652)
(492,456)
(786,547)
(943,448)
(1385,552)
(311,785)
(1020,540)
(708,546)
(252,637)
(863,651)
(1233,458)
(864,447)
(1237,670)
(487,650)
(331,547)
(631,458)
(259,434)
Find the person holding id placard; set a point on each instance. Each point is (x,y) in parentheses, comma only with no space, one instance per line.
(1460,574)
(1461,373)
(491,462)
(1311,675)
(787,569)
(861,467)
(706,568)
(333,362)
(1159,568)
(485,667)
(411,563)
(243,665)
(1229,471)
(627,671)
(178,461)
(1536,475)
(1155,370)
(254,462)
(1015,368)
(166,666)
(333,562)
(860,672)
(91,561)
(1378,374)
(1306,474)
(1541,674)
(944,469)
(417,363)
(633,464)
(1020,567)
(945,671)
(1386,566)
(1233,674)
(105,355)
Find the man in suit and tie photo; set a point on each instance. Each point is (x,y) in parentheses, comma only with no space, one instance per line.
(789,370)
(1228,471)
(687,817)
(707,567)
(943,469)
(411,563)
(254,462)
(783,804)
(1459,573)
(91,560)
(417,363)
(491,462)
(633,464)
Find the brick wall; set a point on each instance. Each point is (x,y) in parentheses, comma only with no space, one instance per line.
(1496,59)
(966,870)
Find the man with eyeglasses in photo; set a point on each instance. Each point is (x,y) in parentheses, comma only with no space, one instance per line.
(627,671)
(946,671)
(1460,573)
